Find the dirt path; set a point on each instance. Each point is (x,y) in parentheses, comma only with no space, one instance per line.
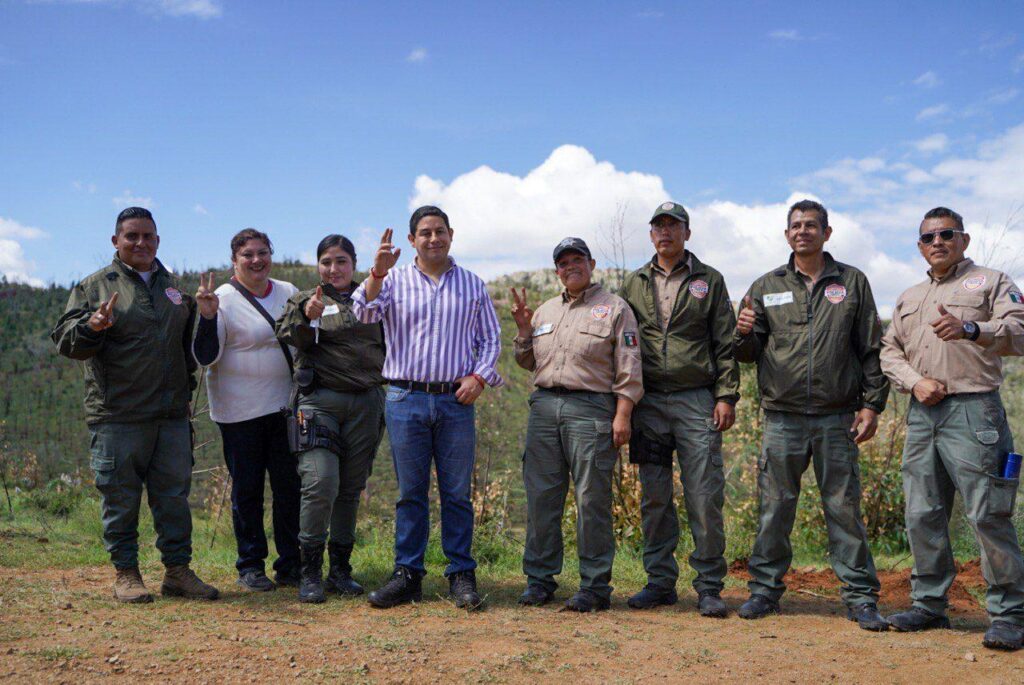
(61,626)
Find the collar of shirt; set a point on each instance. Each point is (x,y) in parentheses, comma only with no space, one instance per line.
(958,268)
(681,264)
(590,291)
(416,265)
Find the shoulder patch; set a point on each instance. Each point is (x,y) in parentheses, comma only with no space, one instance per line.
(629,338)
(1016,297)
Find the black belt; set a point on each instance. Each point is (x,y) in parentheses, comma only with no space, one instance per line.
(559,390)
(432,388)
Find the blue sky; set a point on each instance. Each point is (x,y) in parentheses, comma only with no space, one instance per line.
(304,118)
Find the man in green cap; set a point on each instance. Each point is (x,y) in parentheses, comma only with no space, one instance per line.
(583,351)
(131,326)
(945,346)
(812,328)
(691,386)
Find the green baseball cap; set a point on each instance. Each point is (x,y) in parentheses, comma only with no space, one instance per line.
(672,209)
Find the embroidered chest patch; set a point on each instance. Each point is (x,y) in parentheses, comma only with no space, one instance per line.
(173,295)
(600,311)
(835,293)
(699,289)
(974,282)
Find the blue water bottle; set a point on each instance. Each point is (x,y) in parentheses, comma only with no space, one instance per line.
(1011,469)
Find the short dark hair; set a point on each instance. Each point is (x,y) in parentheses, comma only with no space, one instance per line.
(244,236)
(425,211)
(944,213)
(335,240)
(806,206)
(132,213)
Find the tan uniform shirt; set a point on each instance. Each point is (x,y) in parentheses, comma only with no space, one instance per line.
(911,351)
(666,288)
(588,343)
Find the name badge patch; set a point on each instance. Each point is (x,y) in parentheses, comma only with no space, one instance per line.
(331,309)
(600,311)
(775,299)
(173,295)
(974,282)
(543,329)
(835,293)
(699,289)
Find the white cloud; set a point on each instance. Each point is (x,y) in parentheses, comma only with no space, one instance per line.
(933,143)
(1018,64)
(127,199)
(199,209)
(786,34)
(83,186)
(932,112)
(1003,97)
(417,55)
(14,266)
(200,9)
(928,79)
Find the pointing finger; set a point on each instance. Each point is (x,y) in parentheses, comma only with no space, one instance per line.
(111,302)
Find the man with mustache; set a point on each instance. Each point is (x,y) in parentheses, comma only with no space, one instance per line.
(583,350)
(945,347)
(812,328)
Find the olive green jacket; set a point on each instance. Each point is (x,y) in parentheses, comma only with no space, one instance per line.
(141,368)
(349,356)
(817,352)
(696,349)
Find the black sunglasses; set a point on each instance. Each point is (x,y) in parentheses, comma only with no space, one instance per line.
(946,234)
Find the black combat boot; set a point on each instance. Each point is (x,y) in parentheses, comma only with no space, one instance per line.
(311,588)
(339,576)
(462,588)
(404,586)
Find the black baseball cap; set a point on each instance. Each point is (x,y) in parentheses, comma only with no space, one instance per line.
(573,245)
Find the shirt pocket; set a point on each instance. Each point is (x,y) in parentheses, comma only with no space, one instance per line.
(966,307)
(593,339)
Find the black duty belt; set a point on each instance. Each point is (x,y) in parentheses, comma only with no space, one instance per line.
(559,390)
(432,388)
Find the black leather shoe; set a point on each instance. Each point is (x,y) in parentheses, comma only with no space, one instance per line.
(339,577)
(535,596)
(1004,635)
(311,589)
(867,617)
(758,606)
(653,596)
(915,619)
(711,604)
(404,586)
(462,588)
(585,601)
(255,580)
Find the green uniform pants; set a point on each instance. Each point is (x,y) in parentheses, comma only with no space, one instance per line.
(791,441)
(156,456)
(685,419)
(569,434)
(331,484)
(957,446)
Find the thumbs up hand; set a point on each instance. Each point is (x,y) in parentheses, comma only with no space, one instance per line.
(103,318)
(947,327)
(315,306)
(746,318)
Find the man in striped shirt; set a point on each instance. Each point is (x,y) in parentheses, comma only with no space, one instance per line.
(443,341)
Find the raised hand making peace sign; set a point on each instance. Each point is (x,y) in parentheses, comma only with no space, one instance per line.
(386,256)
(103,318)
(315,306)
(522,314)
(206,298)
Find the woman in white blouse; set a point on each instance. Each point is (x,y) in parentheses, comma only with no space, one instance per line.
(248,380)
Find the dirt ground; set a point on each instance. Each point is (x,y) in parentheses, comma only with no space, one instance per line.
(63,626)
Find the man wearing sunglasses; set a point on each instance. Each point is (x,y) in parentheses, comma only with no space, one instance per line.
(944,346)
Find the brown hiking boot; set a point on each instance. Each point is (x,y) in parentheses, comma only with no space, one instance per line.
(128,586)
(182,581)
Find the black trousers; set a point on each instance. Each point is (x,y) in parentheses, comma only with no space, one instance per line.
(252,449)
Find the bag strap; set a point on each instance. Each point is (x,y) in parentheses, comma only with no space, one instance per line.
(266,315)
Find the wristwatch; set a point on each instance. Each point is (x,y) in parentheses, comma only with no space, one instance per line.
(971,330)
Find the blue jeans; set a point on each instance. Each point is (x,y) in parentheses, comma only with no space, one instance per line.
(422,427)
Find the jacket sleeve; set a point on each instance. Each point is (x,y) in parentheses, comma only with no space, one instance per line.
(722,328)
(293,327)
(629,379)
(1003,333)
(748,348)
(867,345)
(72,335)
(210,339)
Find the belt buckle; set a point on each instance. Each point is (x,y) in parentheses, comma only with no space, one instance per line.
(430,388)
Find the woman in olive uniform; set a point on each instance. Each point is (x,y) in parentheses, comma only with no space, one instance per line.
(341,406)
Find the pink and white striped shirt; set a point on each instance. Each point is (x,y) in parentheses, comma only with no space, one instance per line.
(434,332)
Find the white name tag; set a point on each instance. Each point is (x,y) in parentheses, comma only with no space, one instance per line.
(542,330)
(330,309)
(775,299)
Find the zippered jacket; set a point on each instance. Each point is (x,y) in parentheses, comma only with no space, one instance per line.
(817,351)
